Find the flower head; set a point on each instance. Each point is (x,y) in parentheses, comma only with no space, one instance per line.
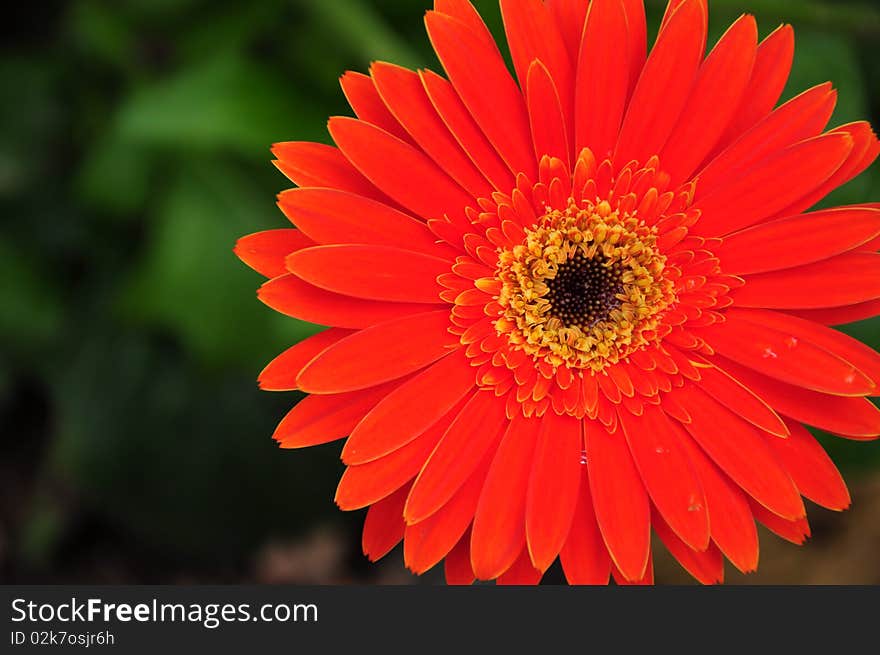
(566,312)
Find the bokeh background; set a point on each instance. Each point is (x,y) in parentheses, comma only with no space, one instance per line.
(134,150)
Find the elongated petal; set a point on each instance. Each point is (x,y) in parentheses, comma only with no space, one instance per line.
(854,352)
(569,16)
(855,418)
(772,185)
(384,526)
(840,315)
(281,373)
(457,565)
(365,484)
(468,134)
(398,169)
(522,573)
(741,400)
(545,114)
(811,469)
(707,566)
(712,103)
(637,43)
(321,419)
(798,240)
(331,216)
(847,279)
(769,76)
(796,531)
(740,452)
(553,487)
(411,409)
(584,557)
(662,89)
(431,539)
(619,498)
(730,519)
(801,118)
(403,92)
(465,443)
(294,297)
(364,99)
(371,272)
(317,165)
(265,251)
(374,355)
(499,532)
(780,354)
(602,72)
(480,77)
(672,484)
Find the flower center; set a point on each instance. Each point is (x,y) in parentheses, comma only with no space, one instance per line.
(585,288)
(585,291)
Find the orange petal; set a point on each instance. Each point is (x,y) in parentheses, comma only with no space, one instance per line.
(740,452)
(468,134)
(522,573)
(811,469)
(797,240)
(309,164)
(499,534)
(553,487)
(846,279)
(769,77)
(430,540)
(365,484)
(294,297)
(384,526)
(855,418)
(364,99)
(854,352)
(619,498)
(265,251)
(545,114)
(712,103)
(479,75)
(281,373)
(321,419)
(662,89)
(380,353)
(782,354)
(457,565)
(602,73)
(672,484)
(771,185)
(801,118)
(465,443)
(331,216)
(706,566)
(403,92)
(398,169)
(840,315)
(796,531)
(411,409)
(371,272)
(532,35)
(584,557)
(741,400)
(730,519)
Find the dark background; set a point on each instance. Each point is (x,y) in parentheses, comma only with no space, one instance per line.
(134,150)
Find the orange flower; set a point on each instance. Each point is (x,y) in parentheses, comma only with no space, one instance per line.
(566,311)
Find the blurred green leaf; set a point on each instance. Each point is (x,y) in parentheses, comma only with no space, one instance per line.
(191,283)
(224,102)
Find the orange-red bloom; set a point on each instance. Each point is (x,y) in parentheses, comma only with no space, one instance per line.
(566,311)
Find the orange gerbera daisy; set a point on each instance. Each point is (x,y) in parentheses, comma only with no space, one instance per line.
(567,311)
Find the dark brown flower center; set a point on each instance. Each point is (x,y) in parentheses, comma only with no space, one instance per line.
(585,291)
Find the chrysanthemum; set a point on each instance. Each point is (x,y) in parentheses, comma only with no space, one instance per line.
(571,309)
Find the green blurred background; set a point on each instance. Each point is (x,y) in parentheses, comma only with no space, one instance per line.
(134,150)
